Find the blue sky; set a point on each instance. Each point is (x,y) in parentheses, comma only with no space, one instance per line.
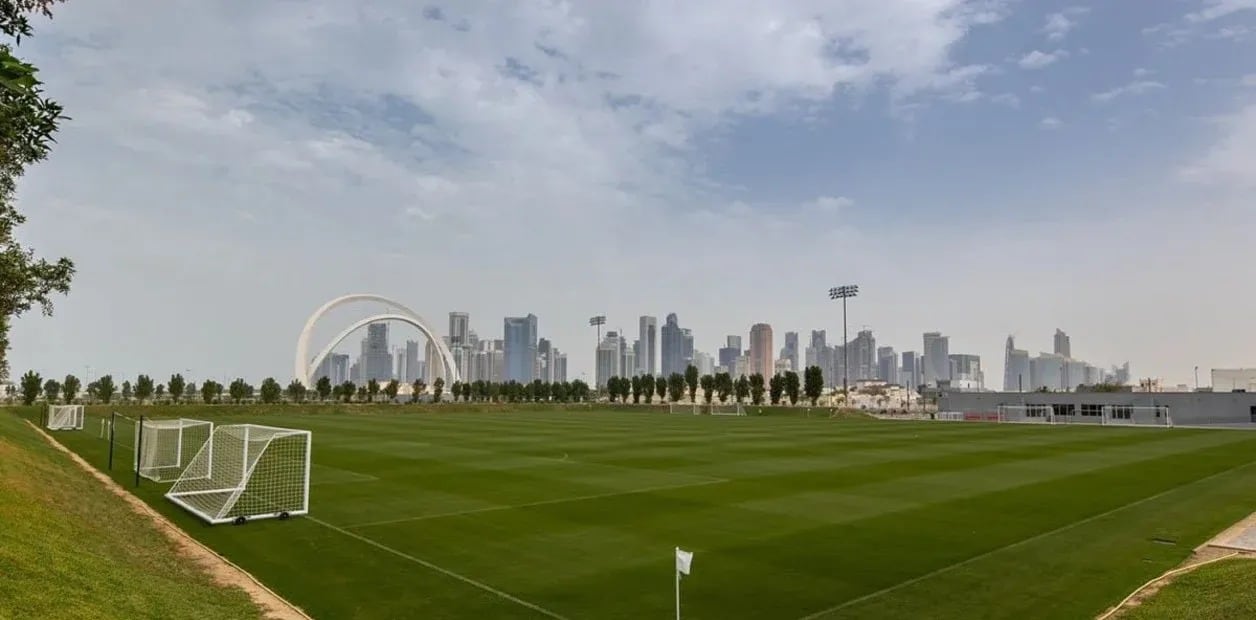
(979,167)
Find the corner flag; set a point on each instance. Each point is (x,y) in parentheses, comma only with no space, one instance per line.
(683,560)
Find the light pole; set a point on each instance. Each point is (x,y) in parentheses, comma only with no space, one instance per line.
(843,293)
(1197,378)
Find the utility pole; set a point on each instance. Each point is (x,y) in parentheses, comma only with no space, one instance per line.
(843,293)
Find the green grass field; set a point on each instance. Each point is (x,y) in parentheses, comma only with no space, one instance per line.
(446,513)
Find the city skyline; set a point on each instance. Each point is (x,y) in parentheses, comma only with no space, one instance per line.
(470,155)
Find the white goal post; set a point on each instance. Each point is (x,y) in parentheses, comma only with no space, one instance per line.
(1026,414)
(1105,415)
(730,409)
(688,408)
(65,418)
(247,471)
(164,447)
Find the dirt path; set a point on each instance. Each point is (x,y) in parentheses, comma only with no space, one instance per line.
(1223,546)
(218,567)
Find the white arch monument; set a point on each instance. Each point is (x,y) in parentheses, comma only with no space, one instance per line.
(304,368)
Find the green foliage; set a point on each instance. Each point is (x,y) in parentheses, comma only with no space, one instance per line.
(708,387)
(813,384)
(361,393)
(438,388)
(756,389)
(455,391)
(239,390)
(209,390)
(322,387)
(636,389)
(647,388)
(792,386)
(296,391)
(347,391)
(143,388)
(691,380)
(579,391)
(675,387)
(161,390)
(127,391)
(723,386)
(271,390)
(372,389)
(105,389)
(70,388)
(27,124)
(741,389)
(177,387)
(52,390)
(776,388)
(391,389)
(660,387)
(416,390)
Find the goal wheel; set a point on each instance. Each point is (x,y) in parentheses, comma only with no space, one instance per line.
(283,516)
(239,520)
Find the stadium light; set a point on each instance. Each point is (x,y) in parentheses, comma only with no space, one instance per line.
(598,321)
(843,293)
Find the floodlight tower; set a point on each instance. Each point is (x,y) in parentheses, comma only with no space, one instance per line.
(598,321)
(843,293)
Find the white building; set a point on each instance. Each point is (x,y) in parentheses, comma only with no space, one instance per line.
(1231,379)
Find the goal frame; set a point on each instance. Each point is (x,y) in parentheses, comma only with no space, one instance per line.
(1030,414)
(147,436)
(64,418)
(684,408)
(236,490)
(738,409)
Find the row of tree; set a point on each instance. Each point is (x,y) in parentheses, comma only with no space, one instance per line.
(784,386)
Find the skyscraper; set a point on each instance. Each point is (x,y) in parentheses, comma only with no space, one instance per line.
(560,366)
(966,372)
(544,364)
(627,358)
(672,346)
(335,367)
(728,354)
(376,362)
(648,334)
(412,362)
(1016,374)
(459,325)
(887,365)
(761,349)
(790,350)
(936,362)
(909,374)
(520,334)
(686,349)
(862,360)
(609,356)
(1062,346)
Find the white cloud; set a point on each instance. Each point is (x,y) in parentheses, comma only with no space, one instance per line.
(1229,162)
(1039,60)
(1059,24)
(1216,9)
(1007,99)
(1050,122)
(1138,87)
(1142,72)
(1249,80)
(831,204)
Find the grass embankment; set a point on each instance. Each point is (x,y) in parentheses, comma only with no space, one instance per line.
(70,548)
(1221,591)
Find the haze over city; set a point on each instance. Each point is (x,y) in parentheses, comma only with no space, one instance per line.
(1031,166)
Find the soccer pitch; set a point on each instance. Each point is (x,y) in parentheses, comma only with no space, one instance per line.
(531,513)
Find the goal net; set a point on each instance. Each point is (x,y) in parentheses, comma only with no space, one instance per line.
(689,408)
(1026,414)
(65,418)
(247,471)
(164,447)
(730,409)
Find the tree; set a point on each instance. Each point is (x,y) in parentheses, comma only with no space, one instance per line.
(347,390)
(143,388)
(466,391)
(438,387)
(647,388)
(209,390)
(177,386)
(791,386)
(218,390)
(372,389)
(691,380)
(776,387)
(723,386)
(813,383)
(32,385)
(271,391)
(660,387)
(636,389)
(28,121)
(323,387)
(391,389)
(238,390)
(361,395)
(127,391)
(675,387)
(161,390)
(105,389)
(612,388)
(579,390)
(742,388)
(51,390)
(708,387)
(756,389)
(70,388)
(296,391)
(190,388)
(455,391)
(416,390)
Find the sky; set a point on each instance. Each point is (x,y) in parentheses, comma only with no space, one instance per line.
(980,168)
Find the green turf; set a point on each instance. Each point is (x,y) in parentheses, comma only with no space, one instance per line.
(69,548)
(469,513)
(1223,590)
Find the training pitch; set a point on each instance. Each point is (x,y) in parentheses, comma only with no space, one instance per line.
(536,512)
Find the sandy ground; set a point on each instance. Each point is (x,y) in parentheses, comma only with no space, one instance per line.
(216,566)
(1232,543)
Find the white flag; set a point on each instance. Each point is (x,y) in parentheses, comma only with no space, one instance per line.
(683,560)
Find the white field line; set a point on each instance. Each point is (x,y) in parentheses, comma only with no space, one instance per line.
(1025,541)
(443,571)
(546,502)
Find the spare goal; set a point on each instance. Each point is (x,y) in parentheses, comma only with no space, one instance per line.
(732,409)
(1026,414)
(247,471)
(165,447)
(690,408)
(65,418)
